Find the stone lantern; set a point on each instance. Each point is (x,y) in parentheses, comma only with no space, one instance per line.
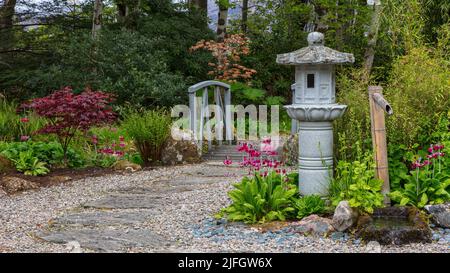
(314,107)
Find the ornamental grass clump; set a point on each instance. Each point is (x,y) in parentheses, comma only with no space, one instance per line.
(15,127)
(149,130)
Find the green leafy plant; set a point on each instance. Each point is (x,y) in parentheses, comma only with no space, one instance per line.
(399,155)
(29,164)
(149,130)
(365,195)
(427,183)
(105,161)
(134,158)
(354,181)
(261,198)
(51,153)
(421,191)
(310,204)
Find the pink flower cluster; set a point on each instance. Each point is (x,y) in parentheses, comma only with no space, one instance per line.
(112,148)
(258,163)
(258,160)
(435,152)
(24,137)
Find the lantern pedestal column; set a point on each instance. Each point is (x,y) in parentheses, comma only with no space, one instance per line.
(315,142)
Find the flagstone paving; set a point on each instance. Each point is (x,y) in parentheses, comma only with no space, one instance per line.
(114,222)
(161,210)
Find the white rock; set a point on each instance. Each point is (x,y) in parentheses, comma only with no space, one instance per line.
(373,247)
(344,216)
(74,247)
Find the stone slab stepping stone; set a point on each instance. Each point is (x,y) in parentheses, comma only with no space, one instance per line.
(188,180)
(104,218)
(108,240)
(158,189)
(126,201)
(214,171)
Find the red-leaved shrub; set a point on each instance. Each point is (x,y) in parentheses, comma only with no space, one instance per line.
(67,112)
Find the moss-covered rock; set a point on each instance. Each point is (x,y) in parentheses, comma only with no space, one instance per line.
(395,225)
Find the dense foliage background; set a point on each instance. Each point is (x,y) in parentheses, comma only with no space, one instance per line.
(141,54)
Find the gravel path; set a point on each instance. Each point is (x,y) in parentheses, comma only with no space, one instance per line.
(161,210)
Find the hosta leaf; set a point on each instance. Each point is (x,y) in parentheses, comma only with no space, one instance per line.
(404,201)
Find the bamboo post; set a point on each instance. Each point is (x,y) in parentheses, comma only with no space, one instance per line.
(378,107)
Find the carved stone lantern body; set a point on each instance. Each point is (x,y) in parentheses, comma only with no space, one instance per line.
(314,107)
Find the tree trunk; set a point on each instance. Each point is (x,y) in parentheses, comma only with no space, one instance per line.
(244,16)
(122,12)
(222,22)
(7,12)
(372,40)
(128,12)
(97,19)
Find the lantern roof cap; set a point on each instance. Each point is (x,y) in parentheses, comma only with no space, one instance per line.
(315,53)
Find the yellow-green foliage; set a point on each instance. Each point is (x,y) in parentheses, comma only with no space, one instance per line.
(354,126)
(418,91)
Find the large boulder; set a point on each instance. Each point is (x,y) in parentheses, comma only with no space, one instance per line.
(6,165)
(440,214)
(13,184)
(289,153)
(314,225)
(344,216)
(180,148)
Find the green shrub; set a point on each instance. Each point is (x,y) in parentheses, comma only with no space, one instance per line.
(310,204)
(419,94)
(50,153)
(354,126)
(149,130)
(242,94)
(354,181)
(260,199)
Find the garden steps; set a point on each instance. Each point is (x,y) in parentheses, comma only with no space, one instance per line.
(220,153)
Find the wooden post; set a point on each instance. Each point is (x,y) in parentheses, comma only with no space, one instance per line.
(378,128)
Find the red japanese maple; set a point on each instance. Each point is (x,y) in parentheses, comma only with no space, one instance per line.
(68,112)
